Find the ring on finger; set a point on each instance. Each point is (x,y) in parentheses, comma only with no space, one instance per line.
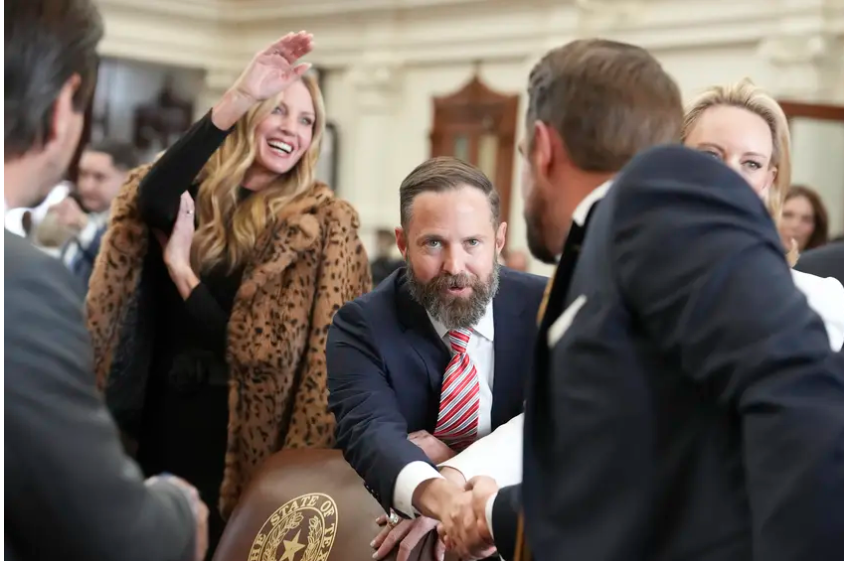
(393,520)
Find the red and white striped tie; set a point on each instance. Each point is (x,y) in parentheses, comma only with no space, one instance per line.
(457,423)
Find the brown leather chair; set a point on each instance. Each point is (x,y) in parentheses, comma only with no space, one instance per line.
(306,505)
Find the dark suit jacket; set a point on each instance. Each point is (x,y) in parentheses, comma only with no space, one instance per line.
(70,490)
(824,261)
(693,409)
(386,364)
(85,257)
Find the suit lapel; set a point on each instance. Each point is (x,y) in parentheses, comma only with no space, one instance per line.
(512,336)
(559,296)
(421,336)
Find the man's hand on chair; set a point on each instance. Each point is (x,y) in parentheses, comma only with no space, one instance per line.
(407,534)
(436,450)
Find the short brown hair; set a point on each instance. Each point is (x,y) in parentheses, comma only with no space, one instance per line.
(820,234)
(442,174)
(607,100)
(46,42)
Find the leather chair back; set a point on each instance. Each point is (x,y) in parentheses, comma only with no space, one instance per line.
(305,505)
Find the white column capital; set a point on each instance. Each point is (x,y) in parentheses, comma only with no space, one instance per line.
(795,49)
(803,64)
(377,84)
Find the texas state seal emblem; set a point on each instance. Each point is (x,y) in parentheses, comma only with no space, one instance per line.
(302,529)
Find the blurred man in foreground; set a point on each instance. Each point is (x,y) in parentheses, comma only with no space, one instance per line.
(70,490)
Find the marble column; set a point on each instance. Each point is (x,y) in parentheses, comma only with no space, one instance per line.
(809,67)
(368,147)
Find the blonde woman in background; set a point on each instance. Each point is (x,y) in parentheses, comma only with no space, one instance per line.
(209,318)
(746,128)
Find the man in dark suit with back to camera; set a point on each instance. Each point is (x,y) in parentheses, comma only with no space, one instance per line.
(71,492)
(438,351)
(685,403)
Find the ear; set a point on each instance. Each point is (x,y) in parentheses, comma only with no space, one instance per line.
(401,241)
(500,238)
(542,155)
(772,176)
(63,112)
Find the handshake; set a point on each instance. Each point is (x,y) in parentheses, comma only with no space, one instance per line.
(452,506)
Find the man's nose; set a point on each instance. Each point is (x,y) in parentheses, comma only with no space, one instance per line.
(455,262)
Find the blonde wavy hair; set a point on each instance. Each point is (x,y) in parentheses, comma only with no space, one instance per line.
(746,95)
(228,230)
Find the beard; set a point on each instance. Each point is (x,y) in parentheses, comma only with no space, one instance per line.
(454,312)
(536,240)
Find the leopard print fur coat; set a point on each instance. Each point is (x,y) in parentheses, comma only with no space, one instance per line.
(307,264)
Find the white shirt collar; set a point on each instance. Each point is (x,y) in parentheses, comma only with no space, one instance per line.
(582,210)
(485,326)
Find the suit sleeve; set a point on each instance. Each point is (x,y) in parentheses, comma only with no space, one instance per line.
(371,430)
(701,267)
(506,507)
(161,188)
(72,492)
(343,276)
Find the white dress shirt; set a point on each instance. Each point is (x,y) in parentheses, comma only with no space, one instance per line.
(482,352)
(13,217)
(826,297)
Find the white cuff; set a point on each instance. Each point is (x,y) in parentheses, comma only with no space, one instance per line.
(410,477)
(489,504)
(86,236)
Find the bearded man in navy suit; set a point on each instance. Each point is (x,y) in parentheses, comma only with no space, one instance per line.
(436,356)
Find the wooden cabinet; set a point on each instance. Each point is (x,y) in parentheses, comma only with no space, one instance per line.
(478,125)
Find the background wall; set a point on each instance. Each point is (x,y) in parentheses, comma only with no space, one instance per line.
(385,60)
(123,85)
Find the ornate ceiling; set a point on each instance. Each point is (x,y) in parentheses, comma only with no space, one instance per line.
(245,11)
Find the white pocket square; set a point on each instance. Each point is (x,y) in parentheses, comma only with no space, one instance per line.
(562,324)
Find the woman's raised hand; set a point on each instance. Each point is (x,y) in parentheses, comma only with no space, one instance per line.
(276,67)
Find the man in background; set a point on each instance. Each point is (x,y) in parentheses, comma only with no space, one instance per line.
(102,171)
(70,490)
(516,259)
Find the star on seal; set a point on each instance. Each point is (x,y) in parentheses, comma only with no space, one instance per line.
(315,514)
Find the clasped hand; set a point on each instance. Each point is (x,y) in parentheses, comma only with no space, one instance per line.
(463,524)
(458,505)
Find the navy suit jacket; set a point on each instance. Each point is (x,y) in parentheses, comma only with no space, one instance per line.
(386,364)
(693,408)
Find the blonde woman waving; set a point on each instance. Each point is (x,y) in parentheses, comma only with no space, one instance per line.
(219,276)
